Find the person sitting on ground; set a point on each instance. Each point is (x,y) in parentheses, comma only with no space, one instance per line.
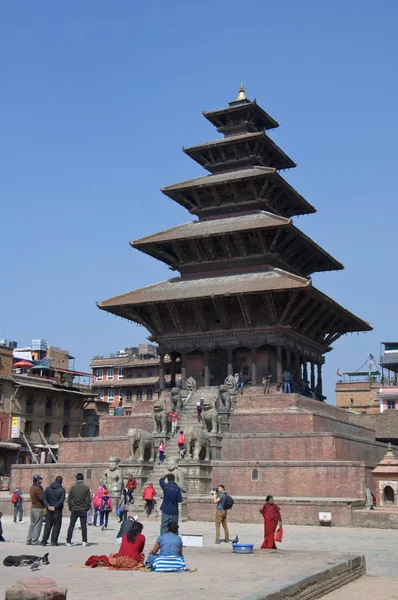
(166,555)
(130,555)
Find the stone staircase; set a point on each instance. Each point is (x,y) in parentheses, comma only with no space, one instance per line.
(187,418)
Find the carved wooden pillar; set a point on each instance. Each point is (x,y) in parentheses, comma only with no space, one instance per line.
(279,374)
(254,366)
(296,372)
(288,360)
(230,363)
(305,369)
(161,371)
(312,376)
(319,382)
(173,370)
(206,354)
(183,368)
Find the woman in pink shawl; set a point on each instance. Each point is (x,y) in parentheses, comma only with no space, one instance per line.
(272,516)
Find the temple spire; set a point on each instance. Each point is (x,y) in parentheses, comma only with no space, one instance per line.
(241,94)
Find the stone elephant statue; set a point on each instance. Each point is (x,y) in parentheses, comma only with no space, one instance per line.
(159,418)
(197,442)
(210,417)
(141,443)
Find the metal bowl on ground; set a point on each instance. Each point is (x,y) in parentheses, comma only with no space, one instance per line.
(242,548)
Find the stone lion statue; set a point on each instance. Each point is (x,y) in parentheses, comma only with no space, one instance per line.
(176,399)
(224,399)
(159,418)
(210,416)
(196,440)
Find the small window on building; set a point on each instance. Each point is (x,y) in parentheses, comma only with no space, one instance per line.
(129,395)
(28,427)
(149,372)
(49,406)
(129,373)
(351,401)
(99,374)
(140,372)
(88,473)
(139,394)
(254,475)
(120,373)
(67,408)
(65,431)
(29,404)
(47,431)
(111,395)
(149,393)
(391,404)
(389,496)
(127,413)
(109,374)
(101,394)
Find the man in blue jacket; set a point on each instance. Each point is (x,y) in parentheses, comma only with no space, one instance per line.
(53,500)
(172,497)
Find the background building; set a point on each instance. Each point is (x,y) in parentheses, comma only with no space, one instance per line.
(132,375)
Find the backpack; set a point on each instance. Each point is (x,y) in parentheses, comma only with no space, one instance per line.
(105,506)
(14,498)
(228,502)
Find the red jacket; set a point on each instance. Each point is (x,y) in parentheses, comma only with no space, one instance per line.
(131,484)
(149,492)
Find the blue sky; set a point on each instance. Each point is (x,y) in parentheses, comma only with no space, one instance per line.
(98,98)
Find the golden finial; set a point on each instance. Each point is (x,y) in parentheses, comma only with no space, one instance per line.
(241,95)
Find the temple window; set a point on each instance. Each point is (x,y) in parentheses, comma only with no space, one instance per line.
(65,431)
(28,427)
(47,431)
(254,475)
(29,404)
(49,406)
(88,473)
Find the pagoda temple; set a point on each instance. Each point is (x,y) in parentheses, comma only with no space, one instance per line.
(244,300)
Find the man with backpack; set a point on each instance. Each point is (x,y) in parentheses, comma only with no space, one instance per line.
(17,501)
(224,502)
(181,444)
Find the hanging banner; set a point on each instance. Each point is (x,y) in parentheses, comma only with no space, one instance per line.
(15,427)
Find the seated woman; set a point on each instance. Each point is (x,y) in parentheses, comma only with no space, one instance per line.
(130,555)
(166,555)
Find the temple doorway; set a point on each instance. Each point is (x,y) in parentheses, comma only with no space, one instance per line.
(389,496)
(242,362)
(218,364)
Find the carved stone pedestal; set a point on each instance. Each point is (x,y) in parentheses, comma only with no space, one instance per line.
(223,419)
(142,471)
(215,445)
(198,476)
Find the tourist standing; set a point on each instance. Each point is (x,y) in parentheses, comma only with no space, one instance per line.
(36,511)
(53,500)
(105,508)
(181,444)
(79,501)
(17,501)
(96,505)
(272,516)
(221,514)
(288,387)
(148,495)
(174,421)
(123,505)
(161,451)
(199,408)
(172,497)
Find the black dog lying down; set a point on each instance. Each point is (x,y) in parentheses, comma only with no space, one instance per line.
(24,560)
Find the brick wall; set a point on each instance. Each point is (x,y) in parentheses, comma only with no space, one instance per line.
(247,511)
(305,479)
(6,361)
(111,426)
(93,449)
(21,475)
(358,396)
(4,427)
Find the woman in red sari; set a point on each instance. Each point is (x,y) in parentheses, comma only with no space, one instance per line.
(272,516)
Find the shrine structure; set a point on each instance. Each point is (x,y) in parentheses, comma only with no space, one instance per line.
(244,300)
